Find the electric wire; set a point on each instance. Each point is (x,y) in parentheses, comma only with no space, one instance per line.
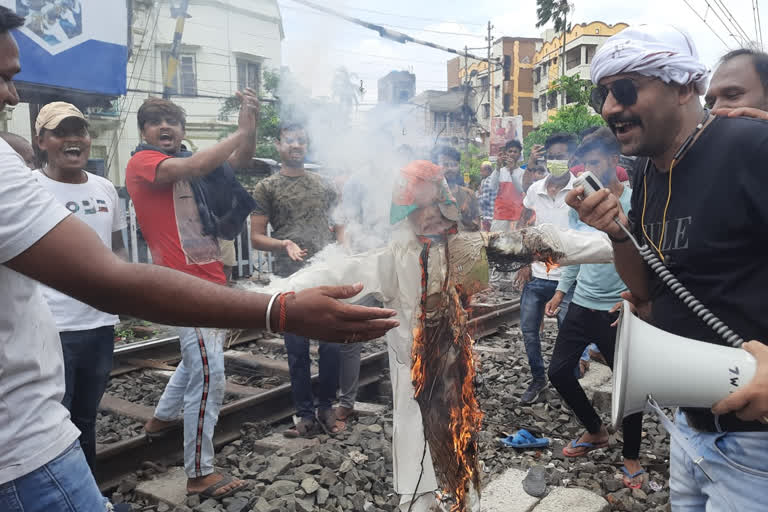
(704,20)
(729,15)
(411,17)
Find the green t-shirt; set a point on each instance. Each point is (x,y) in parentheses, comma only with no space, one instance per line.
(299,208)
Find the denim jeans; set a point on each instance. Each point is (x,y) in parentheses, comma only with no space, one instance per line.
(581,326)
(65,484)
(536,293)
(197,388)
(87,363)
(737,463)
(300,368)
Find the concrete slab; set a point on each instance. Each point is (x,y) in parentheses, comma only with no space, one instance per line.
(368,409)
(277,441)
(572,500)
(505,494)
(169,487)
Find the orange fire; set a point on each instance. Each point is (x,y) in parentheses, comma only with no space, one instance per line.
(464,410)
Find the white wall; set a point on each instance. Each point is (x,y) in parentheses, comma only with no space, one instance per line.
(217,32)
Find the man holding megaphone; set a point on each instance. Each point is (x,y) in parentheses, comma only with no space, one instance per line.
(699,207)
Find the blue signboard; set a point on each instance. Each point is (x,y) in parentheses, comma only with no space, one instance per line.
(73,44)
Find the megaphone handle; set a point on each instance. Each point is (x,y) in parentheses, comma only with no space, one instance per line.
(680,438)
(683,294)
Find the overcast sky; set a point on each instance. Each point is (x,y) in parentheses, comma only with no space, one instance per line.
(315,44)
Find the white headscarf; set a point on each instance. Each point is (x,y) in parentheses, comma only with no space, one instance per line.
(662,51)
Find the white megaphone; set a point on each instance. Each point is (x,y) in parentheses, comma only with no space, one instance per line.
(675,371)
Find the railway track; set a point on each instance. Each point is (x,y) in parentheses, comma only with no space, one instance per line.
(256,405)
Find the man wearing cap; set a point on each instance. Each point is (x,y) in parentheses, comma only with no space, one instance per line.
(700,205)
(87,334)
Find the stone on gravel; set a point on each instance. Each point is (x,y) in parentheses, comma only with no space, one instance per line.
(327,478)
(322,496)
(236,504)
(261,505)
(305,505)
(279,489)
(376,429)
(310,485)
(277,466)
(535,482)
(572,500)
(209,505)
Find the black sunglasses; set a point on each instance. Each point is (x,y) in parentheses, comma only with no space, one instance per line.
(624,90)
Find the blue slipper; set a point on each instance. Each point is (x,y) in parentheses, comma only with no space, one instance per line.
(631,476)
(525,440)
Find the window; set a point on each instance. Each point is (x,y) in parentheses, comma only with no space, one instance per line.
(185,81)
(537,75)
(248,75)
(507,66)
(498,91)
(552,100)
(573,58)
(535,105)
(507,102)
(486,110)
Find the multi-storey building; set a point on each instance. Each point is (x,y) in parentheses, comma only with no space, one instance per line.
(581,43)
(508,90)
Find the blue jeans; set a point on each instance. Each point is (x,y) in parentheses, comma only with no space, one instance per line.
(737,463)
(536,293)
(65,484)
(87,363)
(300,367)
(197,389)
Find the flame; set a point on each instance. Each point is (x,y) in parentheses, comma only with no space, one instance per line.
(466,417)
(442,355)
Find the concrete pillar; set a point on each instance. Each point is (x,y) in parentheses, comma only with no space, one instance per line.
(583,49)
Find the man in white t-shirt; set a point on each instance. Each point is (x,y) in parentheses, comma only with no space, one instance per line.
(42,467)
(546,200)
(87,334)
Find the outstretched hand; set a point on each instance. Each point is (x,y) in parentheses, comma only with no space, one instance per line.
(318,313)
(750,403)
(295,252)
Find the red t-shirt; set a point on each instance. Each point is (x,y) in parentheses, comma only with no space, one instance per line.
(170,221)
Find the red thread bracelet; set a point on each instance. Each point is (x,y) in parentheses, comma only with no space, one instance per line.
(284,311)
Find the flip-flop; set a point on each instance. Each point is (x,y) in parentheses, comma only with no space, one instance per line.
(330,423)
(524,440)
(209,492)
(628,477)
(587,447)
(345,413)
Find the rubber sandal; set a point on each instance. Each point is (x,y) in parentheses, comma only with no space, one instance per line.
(345,413)
(588,447)
(306,428)
(524,440)
(209,492)
(628,477)
(330,423)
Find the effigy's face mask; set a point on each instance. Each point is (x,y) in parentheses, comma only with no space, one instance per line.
(430,220)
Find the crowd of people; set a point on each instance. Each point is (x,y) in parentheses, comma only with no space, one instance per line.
(694,196)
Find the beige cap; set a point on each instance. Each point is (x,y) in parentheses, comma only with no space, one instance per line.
(53,114)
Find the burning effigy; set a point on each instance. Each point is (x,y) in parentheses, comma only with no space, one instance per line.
(428,273)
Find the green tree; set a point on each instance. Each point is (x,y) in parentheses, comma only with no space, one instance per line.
(576,89)
(471,161)
(557,12)
(569,119)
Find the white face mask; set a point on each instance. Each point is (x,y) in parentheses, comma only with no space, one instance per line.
(557,167)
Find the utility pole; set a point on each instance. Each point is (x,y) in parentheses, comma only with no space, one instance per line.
(491,69)
(181,15)
(465,107)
